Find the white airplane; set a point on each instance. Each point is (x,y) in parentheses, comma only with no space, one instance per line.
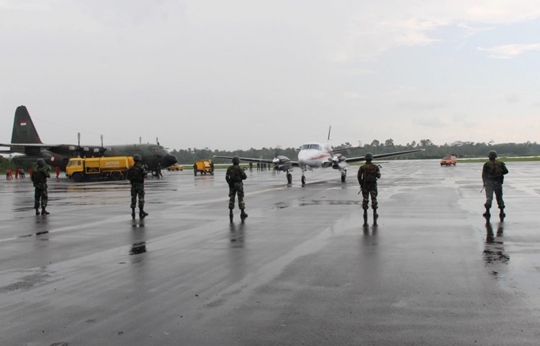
(317,155)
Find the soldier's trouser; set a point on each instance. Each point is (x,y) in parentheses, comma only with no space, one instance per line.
(137,190)
(40,195)
(370,188)
(490,189)
(238,189)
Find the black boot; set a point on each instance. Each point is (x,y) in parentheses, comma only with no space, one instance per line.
(502,215)
(487,215)
(365,217)
(231,215)
(133,213)
(37,211)
(44,212)
(142,213)
(375,216)
(243,215)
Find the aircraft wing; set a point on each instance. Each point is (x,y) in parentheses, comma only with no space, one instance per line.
(340,150)
(34,145)
(251,159)
(378,156)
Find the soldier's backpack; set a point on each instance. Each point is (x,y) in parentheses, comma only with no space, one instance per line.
(370,172)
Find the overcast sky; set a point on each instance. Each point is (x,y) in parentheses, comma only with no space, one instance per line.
(239,74)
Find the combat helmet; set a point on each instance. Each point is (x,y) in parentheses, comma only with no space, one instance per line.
(492,154)
(40,162)
(136,157)
(235,160)
(369,156)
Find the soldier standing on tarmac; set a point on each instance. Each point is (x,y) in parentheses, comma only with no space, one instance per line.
(235,176)
(136,175)
(493,178)
(367,178)
(39,178)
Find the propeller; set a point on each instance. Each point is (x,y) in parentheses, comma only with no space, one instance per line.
(276,159)
(338,161)
(77,149)
(101,150)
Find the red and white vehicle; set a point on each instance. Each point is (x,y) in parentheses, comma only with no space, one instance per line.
(449,160)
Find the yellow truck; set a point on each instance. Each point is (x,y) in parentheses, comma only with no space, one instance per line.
(114,167)
(203,167)
(175,167)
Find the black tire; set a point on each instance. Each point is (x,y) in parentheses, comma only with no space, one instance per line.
(289,178)
(77,177)
(343,178)
(116,175)
(303,180)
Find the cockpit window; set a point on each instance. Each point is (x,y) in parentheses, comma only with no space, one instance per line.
(74,163)
(311,146)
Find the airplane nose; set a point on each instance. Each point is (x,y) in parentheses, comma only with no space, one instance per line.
(169,160)
(302,157)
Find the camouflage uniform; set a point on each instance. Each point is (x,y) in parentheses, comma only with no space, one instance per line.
(234,176)
(39,178)
(367,178)
(493,178)
(136,175)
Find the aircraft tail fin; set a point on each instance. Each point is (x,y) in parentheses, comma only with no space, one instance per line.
(24,130)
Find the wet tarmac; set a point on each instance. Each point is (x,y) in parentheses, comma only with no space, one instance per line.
(301,270)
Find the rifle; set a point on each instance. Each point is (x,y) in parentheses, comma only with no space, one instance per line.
(361,186)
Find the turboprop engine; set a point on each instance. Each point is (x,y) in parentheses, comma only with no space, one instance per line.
(339,162)
(282,163)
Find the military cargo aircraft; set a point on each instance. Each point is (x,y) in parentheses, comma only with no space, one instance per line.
(26,140)
(317,155)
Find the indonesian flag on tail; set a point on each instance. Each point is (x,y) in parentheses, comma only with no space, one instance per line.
(23,123)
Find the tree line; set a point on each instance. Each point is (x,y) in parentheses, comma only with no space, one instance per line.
(431,151)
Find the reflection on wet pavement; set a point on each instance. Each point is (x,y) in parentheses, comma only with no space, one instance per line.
(237,235)
(138,248)
(494,249)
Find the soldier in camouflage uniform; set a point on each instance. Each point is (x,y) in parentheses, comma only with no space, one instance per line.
(493,178)
(39,178)
(234,176)
(367,178)
(136,175)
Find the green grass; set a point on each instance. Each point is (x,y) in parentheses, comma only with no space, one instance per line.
(504,159)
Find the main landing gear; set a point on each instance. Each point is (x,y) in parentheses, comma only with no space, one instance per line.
(289,178)
(303,179)
(343,175)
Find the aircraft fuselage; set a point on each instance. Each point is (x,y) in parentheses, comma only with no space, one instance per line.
(316,155)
